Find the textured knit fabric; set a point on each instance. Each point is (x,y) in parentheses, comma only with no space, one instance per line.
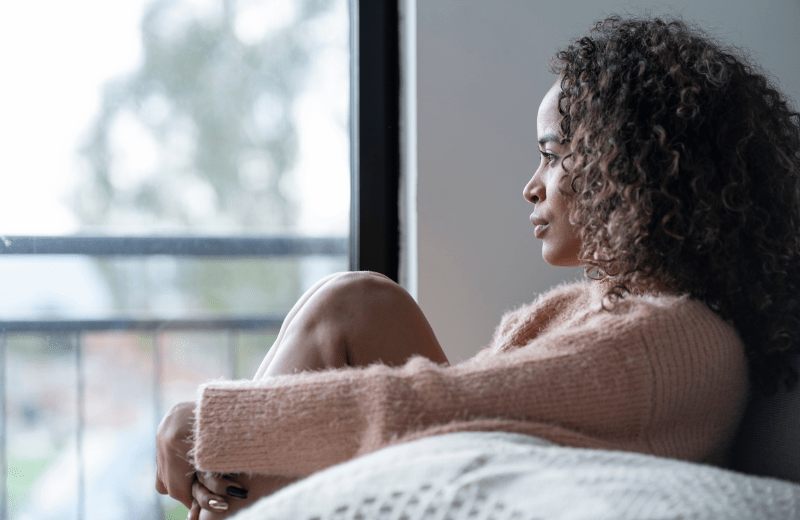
(497,475)
(657,374)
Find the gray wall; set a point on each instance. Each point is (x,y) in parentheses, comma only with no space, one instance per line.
(481,70)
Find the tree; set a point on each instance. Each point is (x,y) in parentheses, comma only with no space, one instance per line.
(213,113)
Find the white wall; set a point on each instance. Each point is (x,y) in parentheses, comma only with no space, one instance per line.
(481,70)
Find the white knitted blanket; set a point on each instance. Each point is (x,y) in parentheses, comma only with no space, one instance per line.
(482,476)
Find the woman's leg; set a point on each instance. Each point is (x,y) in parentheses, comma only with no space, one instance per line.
(345,319)
(351,319)
(292,313)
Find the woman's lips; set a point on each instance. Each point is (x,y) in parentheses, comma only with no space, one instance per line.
(541,225)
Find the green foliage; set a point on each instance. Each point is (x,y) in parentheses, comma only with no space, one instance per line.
(22,475)
(41,345)
(176,511)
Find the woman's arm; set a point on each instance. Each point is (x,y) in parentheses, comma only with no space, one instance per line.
(665,377)
(600,386)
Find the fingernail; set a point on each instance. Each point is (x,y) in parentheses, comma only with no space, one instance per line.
(236,492)
(218,505)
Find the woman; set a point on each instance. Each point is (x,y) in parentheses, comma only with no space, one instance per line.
(670,172)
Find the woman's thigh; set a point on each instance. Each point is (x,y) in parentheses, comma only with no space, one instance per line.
(353,319)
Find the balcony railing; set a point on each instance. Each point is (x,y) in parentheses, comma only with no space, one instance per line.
(174,246)
(74,337)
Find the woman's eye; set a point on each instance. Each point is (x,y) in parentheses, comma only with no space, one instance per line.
(547,156)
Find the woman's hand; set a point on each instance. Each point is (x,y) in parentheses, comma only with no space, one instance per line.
(174,472)
(218,496)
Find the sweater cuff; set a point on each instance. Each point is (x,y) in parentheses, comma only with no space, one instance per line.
(271,428)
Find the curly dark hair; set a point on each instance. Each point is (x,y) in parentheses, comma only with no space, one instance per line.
(685,168)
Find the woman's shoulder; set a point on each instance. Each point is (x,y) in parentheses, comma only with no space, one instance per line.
(665,321)
(592,297)
(584,307)
(671,324)
(675,310)
(668,306)
(580,296)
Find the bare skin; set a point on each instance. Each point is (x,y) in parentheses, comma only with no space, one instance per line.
(346,319)
(560,241)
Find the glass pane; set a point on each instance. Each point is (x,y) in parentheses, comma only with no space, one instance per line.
(154,117)
(175,116)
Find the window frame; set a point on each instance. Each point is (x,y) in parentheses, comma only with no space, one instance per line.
(375,137)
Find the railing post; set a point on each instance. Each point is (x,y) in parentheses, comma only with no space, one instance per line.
(81,385)
(4,514)
(233,373)
(157,375)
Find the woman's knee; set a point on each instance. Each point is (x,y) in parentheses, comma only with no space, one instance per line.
(346,301)
(357,277)
(364,290)
(358,318)
(379,320)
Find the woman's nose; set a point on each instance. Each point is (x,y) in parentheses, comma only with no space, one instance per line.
(534,191)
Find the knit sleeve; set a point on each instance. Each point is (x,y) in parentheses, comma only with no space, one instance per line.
(593,378)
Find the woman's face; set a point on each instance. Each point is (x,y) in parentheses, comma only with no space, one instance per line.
(560,242)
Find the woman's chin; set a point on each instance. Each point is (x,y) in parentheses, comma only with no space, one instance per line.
(561,260)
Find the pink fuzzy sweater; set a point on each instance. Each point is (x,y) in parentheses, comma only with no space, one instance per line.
(658,374)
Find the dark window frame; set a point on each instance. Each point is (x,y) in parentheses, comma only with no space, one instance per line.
(375,137)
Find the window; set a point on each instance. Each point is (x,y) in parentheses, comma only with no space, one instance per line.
(183,170)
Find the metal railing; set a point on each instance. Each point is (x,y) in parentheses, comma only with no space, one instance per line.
(75,330)
(277,246)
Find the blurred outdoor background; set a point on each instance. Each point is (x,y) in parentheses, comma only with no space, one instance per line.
(160,119)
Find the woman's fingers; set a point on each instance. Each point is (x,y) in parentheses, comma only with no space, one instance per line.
(194,511)
(174,473)
(207,499)
(223,485)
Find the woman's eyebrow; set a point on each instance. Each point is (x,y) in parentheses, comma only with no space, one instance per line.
(549,138)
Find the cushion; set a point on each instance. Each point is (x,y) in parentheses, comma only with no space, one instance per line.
(768,443)
(494,475)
